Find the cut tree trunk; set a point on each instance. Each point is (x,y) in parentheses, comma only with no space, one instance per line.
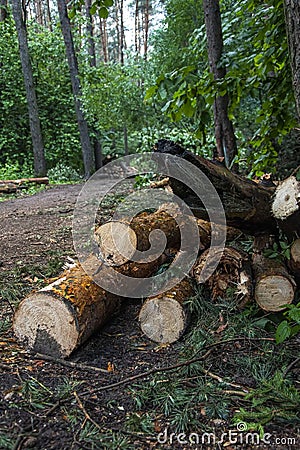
(274,286)
(294,262)
(117,246)
(119,240)
(63,315)
(164,318)
(247,205)
(286,206)
(233,274)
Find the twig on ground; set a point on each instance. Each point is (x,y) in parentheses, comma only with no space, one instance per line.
(74,365)
(290,366)
(86,414)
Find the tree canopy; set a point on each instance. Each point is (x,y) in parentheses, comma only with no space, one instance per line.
(153,83)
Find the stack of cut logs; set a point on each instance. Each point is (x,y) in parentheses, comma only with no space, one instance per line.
(61,316)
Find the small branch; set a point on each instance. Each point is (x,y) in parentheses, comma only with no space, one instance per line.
(173,367)
(290,366)
(221,380)
(74,365)
(231,392)
(86,414)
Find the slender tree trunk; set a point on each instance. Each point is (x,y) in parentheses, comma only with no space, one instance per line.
(225,139)
(39,12)
(92,61)
(103,33)
(137,27)
(98,151)
(146,28)
(34,121)
(292,16)
(48,15)
(90,33)
(122,34)
(126,149)
(3,10)
(87,152)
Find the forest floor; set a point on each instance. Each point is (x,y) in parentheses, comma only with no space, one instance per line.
(62,405)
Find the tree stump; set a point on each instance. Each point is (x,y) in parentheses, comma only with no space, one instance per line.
(274,286)
(164,318)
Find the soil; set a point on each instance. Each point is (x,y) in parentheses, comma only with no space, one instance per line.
(35,240)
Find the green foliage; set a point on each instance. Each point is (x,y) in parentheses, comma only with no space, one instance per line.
(55,101)
(98,6)
(258,81)
(280,251)
(13,170)
(275,398)
(62,173)
(291,326)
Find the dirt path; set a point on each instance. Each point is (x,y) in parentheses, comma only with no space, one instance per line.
(32,225)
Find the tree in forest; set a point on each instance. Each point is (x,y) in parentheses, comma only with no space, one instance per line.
(87,152)
(292,16)
(34,121)
(3,10)
(225,138)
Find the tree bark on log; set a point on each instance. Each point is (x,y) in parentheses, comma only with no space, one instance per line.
(61,316)
(12,186)
(286,206)
(274,286)
(43,180)
(164,318)
(247,204)
(233,273)
(294,262)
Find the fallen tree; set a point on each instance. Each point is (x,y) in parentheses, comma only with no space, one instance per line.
(12,186)
(247,204)
(60,317)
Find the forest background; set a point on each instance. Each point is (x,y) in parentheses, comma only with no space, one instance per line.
(144,74)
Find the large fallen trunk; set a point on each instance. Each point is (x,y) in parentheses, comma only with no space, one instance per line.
(12,186)
(232,277)
(118,240)
(247,204)
(274,286)
(164,318)
(286,206)
(43,180)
